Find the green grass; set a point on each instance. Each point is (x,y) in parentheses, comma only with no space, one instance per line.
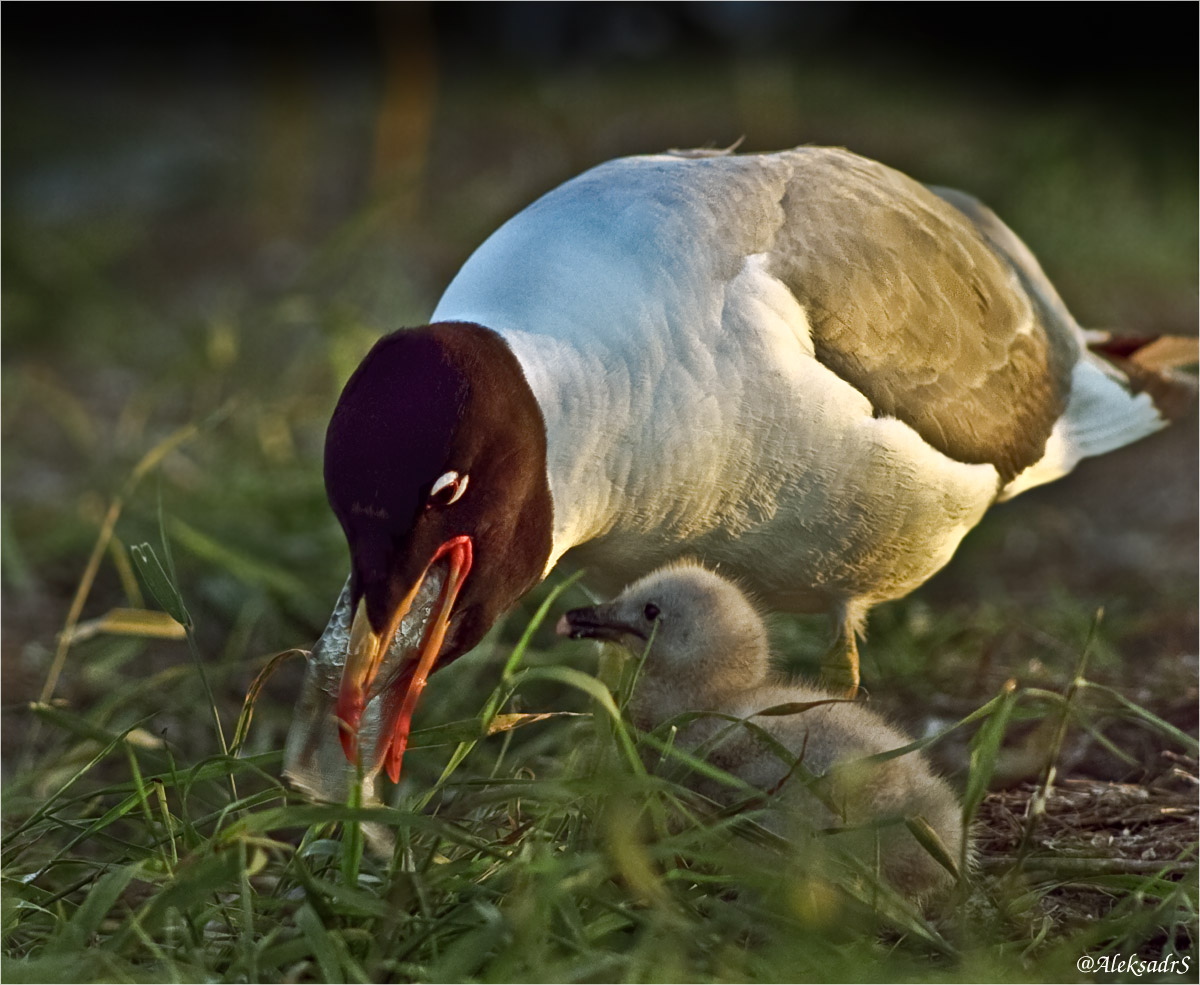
(170,365)
(544,852)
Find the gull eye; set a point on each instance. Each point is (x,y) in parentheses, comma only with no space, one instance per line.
(650,612)
(448,489)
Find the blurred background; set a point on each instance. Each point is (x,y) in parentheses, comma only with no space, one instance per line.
(216,209)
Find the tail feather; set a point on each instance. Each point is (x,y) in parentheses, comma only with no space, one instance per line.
(1114,401)
(1152,366)
(1156,352)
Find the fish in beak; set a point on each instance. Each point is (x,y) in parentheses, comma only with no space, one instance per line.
(369,673)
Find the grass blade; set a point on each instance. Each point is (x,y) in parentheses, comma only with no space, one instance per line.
(85,921)
(148,462)
(985,750)
(160,585)
(319,942)
(147,623)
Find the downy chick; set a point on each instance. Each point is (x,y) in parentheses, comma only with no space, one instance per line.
(710,652)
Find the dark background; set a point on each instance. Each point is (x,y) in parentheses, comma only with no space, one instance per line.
(1063,45)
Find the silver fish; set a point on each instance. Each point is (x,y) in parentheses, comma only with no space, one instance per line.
(313,758)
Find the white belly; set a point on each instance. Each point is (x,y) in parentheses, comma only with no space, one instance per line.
(810,503)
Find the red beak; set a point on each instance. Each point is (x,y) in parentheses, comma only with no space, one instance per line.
(368,650)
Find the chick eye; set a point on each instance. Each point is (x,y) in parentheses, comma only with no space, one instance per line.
(650,612)
(448,489)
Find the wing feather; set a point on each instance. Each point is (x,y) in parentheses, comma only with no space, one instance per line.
(911,304)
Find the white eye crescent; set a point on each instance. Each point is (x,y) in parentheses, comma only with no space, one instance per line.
(451,486)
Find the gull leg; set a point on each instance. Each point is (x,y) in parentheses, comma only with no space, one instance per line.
(839,665)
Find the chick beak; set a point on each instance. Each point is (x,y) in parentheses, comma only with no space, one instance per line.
(368,649)
(599,622)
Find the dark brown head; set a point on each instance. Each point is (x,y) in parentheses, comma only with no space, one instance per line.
(435,455)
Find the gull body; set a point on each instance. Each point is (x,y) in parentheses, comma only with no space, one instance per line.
(804,367)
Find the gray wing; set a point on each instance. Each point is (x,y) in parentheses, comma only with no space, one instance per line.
(1063,330)
(926,307)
